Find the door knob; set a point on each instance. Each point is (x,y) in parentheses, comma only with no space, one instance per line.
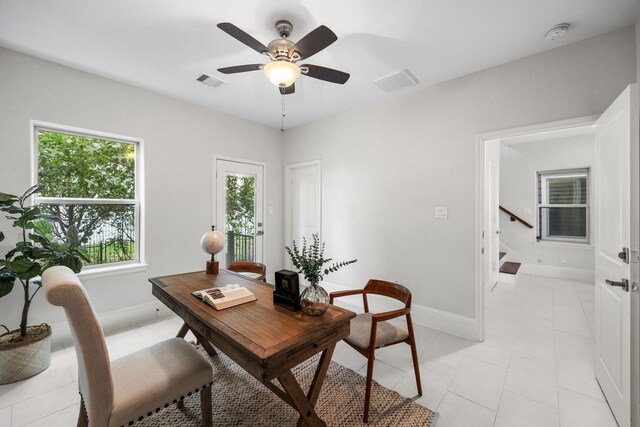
(624,284)
(498,232)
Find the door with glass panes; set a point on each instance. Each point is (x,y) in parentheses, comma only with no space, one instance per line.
(239,201)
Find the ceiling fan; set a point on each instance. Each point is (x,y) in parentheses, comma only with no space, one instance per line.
(283,69)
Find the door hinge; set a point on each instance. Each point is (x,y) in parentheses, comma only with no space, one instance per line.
(482,251)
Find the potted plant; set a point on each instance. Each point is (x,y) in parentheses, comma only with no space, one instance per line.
(314,301)
(26,351)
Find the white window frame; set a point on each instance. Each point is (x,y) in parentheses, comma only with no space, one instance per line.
(543,230)
(114,268)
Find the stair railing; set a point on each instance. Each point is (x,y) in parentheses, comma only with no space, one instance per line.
(515,217)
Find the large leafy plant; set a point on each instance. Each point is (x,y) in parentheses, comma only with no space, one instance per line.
(310,260)
(34,252)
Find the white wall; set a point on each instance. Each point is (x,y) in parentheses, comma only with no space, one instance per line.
(519,164)
(387,166)
(638,50)
(180,141)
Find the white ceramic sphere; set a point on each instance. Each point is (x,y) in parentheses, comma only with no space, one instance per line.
(212,242)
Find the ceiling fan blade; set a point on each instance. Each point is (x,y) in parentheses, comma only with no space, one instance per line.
(314,42)
(288,90)
(241,68)
(326,74)
(243,37)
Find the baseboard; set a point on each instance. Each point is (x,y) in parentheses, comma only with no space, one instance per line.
(558,272)
(114,320)
(462,326)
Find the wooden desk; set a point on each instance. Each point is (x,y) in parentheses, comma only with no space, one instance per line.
(264,339)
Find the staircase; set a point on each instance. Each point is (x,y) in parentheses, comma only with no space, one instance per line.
(508,269)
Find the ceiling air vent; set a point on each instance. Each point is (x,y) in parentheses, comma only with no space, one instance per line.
(210,81)
(397,81)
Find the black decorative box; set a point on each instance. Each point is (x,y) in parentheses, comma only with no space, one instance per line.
(287,293)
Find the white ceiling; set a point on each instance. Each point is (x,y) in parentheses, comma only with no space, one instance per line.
(164,45)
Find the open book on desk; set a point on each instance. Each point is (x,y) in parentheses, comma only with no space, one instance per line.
(226,296)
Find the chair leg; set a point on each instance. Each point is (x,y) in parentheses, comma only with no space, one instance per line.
(205,405)
(180,404)
(416,368)
(414,353)
(367,395)
(83,419)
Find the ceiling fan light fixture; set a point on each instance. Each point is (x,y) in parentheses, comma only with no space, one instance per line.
(282,73)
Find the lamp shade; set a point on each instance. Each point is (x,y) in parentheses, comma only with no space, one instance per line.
(282,73)
(212,242)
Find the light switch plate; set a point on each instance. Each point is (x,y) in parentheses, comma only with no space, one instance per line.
(441,212)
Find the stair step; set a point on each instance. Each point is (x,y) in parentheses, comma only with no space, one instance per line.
(502,254)
(510,267)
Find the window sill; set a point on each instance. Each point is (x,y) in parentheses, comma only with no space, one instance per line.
(573,245)
(116,270)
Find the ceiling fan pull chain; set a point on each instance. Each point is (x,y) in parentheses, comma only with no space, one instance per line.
(283,114)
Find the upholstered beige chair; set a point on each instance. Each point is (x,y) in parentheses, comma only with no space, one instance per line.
(124,391)
(368,328)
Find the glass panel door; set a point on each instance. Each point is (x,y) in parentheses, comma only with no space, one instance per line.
(239,210)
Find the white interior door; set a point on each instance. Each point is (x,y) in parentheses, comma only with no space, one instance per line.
(303,203)
(616,221)
(239,206)
(492,218)
(495,224)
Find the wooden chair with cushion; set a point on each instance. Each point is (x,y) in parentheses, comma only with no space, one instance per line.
(253,270)
(367,328)
(124,391)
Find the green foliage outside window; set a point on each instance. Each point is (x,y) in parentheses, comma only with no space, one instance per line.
(81,167)
(240,204)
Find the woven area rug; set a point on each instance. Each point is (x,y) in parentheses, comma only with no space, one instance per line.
(240,400)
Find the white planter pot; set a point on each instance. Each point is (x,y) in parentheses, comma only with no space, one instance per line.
(25,359)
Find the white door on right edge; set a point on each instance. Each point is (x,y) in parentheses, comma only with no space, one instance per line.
(303,200)
(617,196)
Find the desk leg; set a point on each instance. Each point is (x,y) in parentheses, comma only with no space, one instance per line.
(299,400)
(318,378)
(201,340)
(184,329)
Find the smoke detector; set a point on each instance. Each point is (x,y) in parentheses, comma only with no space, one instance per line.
(557,32)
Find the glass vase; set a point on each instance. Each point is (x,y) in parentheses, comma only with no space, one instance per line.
(314,301)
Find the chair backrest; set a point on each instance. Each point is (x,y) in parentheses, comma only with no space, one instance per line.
(249,267)
(63,288)
(387,289)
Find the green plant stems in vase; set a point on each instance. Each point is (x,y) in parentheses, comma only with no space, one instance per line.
(309,261)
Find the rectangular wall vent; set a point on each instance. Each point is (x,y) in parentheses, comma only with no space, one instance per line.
(210,81)
(397,81)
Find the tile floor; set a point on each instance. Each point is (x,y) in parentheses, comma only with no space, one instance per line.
(534,369)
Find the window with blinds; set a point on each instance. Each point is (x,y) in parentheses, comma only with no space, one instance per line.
(563,206)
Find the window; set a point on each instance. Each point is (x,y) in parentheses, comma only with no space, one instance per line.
(91,186)
(563,205)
